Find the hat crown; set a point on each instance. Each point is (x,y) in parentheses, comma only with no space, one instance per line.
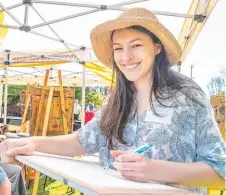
(138,13)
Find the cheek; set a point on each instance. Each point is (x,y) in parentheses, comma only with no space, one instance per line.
(117,60)
(117,56)
(138,52)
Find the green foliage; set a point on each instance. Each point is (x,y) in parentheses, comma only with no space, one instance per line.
(52,187)
(78,94)
(93,94)
(14,93)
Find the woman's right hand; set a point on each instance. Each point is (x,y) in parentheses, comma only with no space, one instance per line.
(12,147)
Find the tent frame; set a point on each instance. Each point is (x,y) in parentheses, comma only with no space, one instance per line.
(30,3)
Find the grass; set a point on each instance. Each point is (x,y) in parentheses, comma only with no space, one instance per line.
(56,188)
(52,188)
(216,192)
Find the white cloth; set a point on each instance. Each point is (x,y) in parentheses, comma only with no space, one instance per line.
(77,108)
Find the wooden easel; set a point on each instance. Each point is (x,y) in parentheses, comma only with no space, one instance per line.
(46,91)
(218,104)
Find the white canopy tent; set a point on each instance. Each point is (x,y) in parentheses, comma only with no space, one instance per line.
(40,25)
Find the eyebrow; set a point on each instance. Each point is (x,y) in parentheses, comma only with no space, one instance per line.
(136,39)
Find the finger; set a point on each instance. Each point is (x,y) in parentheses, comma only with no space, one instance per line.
(24,150)
(5,158)
(130,157)
(131,166)
(132,175)
(116,153)
(137,179)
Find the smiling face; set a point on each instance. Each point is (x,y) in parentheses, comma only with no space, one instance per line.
(134,53)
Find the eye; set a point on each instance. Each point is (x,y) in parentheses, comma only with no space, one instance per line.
(137,45)
(118,48)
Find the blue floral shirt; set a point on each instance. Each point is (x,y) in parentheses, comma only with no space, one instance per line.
(2,175)
(184,133)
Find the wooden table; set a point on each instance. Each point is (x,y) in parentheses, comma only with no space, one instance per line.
(90,178)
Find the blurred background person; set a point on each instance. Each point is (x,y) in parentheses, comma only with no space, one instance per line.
(77,109)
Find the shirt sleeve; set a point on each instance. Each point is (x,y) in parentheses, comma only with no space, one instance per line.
(90,135)
(209,142)
(2,175)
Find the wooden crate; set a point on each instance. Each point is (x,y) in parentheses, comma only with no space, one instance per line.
(55,124)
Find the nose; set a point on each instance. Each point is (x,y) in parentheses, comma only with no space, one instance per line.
(126,55)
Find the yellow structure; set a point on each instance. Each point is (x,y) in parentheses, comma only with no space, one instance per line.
(3,31)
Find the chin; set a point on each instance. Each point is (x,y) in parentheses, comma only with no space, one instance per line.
(132,78)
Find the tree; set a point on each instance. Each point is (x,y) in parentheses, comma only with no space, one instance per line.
(216,86)
(93,94)
(14,93)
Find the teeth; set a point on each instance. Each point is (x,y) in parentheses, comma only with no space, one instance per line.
(132,66)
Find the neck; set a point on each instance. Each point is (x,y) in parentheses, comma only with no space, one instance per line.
(143,85)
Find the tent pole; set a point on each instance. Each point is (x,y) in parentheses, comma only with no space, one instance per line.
(83,94)
(26,14)
(51,38)
(85,13)
(10,14)
(202,5)
(6,87)
(9,26)
(14,6)
(1,92)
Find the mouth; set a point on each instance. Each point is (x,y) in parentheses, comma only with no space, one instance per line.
(131,67)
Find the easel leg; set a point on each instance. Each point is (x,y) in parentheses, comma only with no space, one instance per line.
(48,107)
(42,99)
(23,123)
(36,181)
(62,102)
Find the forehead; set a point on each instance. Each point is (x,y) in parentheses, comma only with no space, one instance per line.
(127,34)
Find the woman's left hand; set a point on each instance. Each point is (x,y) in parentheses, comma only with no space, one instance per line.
(132,166)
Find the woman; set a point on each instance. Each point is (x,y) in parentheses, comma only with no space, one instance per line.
(150,103)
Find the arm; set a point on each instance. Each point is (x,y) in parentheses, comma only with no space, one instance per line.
(67,145)
(197,174)
(5,185)
(86,140)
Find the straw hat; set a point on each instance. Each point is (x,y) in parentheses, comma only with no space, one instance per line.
(101,34)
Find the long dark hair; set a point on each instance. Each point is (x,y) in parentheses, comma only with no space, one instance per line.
(122,106)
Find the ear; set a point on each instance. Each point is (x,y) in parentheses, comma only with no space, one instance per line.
(158,48)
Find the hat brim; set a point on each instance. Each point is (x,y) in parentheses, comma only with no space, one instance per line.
(102,43)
